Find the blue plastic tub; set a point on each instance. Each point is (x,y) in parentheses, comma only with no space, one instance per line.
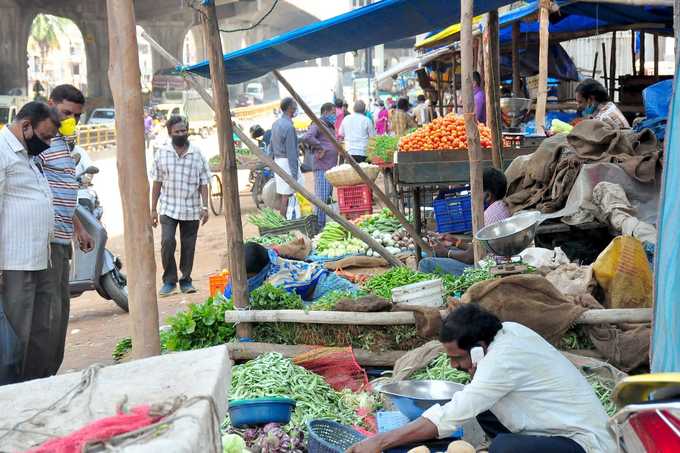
(260,411)
(453,214)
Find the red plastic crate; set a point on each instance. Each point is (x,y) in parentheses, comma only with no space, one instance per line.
(357,197)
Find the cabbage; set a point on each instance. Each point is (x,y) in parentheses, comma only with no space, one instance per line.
(233,443)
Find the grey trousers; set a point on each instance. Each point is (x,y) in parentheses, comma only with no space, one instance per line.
(26,301)
(188,232)
(60,302)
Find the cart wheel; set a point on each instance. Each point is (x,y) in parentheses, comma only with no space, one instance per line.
(216,196)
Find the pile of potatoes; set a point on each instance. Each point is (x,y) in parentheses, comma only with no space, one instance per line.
(459,446)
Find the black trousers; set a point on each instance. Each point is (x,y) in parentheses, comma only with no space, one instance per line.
(188,231)
(503,441)
(59,300)
(26,302)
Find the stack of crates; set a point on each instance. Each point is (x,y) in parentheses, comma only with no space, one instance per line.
(355,201)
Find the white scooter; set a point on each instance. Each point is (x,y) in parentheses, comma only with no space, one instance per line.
(97,269)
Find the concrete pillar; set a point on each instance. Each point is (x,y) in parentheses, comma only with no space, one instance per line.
(199,42)
(170,35)
(95,36)
(15,26)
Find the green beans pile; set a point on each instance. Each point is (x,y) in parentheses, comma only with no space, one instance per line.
(277,239)
(273,375)
(382,285)
(267,218)
(440,370)
(603,389)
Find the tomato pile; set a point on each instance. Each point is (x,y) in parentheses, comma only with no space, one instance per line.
(447,133)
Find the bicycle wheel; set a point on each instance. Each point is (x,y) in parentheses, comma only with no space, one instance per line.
(216,195)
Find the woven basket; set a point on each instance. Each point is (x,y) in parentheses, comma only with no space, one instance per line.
(326,436)
(344,175)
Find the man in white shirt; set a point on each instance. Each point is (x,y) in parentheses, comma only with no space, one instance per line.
(421,112)
(26,226)
(356,129)
(526,395)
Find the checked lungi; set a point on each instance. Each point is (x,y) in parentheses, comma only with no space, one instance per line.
(323,189)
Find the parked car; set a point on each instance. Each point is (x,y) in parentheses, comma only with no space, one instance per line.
(102,116)
(255,91)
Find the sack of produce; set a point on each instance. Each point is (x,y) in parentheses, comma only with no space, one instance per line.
(345,175)
(338,366)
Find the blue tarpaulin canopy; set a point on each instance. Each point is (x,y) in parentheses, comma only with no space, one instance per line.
(380,22)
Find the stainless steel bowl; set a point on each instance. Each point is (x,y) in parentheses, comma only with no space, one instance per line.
(510,236)
(412,398)
(515,111)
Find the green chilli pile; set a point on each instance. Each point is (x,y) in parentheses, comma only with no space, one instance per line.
(267,218)
(273,375)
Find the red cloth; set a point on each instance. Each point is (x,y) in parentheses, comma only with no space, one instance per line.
(99,430)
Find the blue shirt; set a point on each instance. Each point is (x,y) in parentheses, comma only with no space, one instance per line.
(59,169)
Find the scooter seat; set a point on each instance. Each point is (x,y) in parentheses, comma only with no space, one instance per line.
(646,387)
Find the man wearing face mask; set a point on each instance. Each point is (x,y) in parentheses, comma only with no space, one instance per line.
(59,169)
(525,394)
(179,197)
(26,226)
(593,103)
(325,157)
(452,256)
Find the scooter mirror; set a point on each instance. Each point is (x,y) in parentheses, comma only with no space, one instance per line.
(76,157)
(91,170)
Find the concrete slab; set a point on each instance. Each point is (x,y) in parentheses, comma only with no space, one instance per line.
(205,372)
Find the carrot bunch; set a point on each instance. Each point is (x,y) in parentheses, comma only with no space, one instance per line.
(447,133)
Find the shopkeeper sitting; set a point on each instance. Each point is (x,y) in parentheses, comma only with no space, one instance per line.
(309,280)
(454,260)
(593,103)
(524,393)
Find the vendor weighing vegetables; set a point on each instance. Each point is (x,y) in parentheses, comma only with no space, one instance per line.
(524,393)
(456,258)
(309,280)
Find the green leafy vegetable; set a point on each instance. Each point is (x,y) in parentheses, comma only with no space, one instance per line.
(269,297)
(200,326)
(382,148)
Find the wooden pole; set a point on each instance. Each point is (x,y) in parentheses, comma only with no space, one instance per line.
(516,89)
(455,84)
(350,160)
(542,95)
(232,204)
(632,51)
(643,56)
(491,45)
(133,182)
(612,68)
(597,54)
(656,55)
(440,92)
(474,147)
(604,67)
(268,161)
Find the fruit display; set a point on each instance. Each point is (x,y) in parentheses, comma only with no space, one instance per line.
(442,134)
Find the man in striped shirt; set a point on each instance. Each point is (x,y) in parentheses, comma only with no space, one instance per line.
(59,169)
(26,224)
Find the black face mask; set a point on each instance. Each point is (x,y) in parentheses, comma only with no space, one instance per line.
(34,145)
(180,141)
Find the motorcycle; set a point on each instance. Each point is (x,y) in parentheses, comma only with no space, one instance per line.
(649,418)
(97,269)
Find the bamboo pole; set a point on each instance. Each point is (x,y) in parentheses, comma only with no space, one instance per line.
(392,318)
(612,68)
(350,160)
(516,89)
(643,56)
(286,177)
(542,96)
(604,66)
(597,54)
(232,204)
(474,148)
(656,55)
(632,51)
(124,77)
(491,45)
